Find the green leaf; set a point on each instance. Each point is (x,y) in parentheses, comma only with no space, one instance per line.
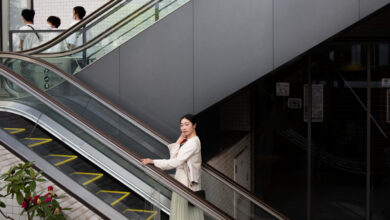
(46,209)
(19,173)
(33,186)
(66,208)
(15,188)
(18,182)
(32,173)
(27,195)
(19,198)
(2,204)
(40,213)
(55,203)
(33,208)
(41,180)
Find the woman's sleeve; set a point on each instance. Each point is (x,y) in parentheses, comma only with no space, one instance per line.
(173,150)
(182,156)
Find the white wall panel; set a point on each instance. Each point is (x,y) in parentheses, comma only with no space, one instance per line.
(369,6)
(233,46)
(302,24)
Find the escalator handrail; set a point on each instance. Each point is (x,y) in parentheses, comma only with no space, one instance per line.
(123,34)
(72,29)
(101,136)
(102,35)
(139,124)
(67,184)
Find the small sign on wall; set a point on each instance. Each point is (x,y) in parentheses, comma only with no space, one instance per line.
(282,89)
(317,113)
(294,103)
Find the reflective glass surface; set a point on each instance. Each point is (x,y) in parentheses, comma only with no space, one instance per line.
(339,139)
(380,130)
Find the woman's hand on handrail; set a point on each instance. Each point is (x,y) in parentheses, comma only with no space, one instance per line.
(146,161)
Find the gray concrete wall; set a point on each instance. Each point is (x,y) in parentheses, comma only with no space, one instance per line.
(209,49)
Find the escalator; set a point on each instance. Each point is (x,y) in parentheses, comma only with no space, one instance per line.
(127,19)
(116,195)
(126,130)
(88,157)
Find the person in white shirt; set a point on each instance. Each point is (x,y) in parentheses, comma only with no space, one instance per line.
(54,22)
(76,39)
(28,40)
(186,158)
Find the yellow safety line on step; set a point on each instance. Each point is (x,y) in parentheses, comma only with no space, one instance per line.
(15,130)
(153,213)
(43,141)
(98,176)
(118,200)
(71,157)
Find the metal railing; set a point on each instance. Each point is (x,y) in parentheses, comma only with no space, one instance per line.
(13,35)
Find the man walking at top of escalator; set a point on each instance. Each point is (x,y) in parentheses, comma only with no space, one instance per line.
(76,39)
(54,22)
(28,40)
(80,59)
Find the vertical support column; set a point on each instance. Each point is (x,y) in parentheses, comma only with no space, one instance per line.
(84,31)
(252,94)
(10,41)
(157,11)
(5,25)
(1,27)
(30,4)
(368,149)
(309,120)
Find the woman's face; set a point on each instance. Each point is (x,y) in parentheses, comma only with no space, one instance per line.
(186,127)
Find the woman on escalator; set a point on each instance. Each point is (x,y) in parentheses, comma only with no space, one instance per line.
(185,157)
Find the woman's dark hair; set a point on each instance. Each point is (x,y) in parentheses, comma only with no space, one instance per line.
(79,10)
(190,117)
(54,20)
(28,15)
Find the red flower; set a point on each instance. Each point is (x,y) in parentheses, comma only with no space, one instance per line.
(36,200)
(48,199)
(26,202)
(50,192)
